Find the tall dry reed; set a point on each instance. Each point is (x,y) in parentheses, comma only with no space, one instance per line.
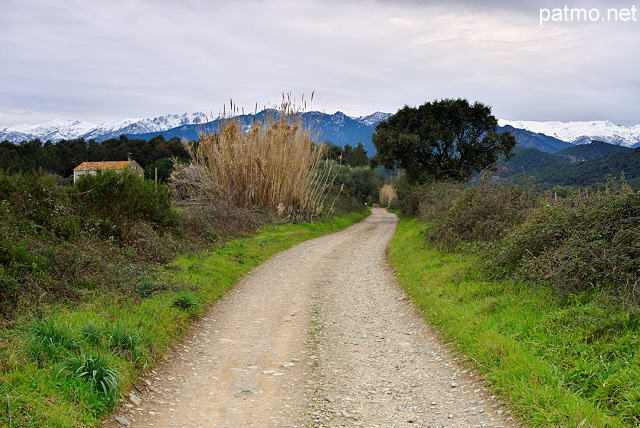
(387,195)
(274,163)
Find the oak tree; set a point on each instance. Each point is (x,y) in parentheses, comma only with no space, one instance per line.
(442,139)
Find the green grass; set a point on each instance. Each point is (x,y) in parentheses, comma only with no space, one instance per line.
(47,368)
(556,364)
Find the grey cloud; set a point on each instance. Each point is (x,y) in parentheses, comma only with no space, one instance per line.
(139,58)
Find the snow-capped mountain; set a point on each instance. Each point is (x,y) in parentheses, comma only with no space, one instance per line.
(338,128)
(59,129)
(54,130)
(581,132)
(144,126)
(374,118)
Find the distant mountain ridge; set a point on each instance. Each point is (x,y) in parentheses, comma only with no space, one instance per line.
(535,140)
(581,132)
(337,128)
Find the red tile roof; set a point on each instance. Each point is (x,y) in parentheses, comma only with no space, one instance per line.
(93,166)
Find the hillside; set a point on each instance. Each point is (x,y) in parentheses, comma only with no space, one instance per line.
(528,159)
(535,140)
(590,172)
(591,150)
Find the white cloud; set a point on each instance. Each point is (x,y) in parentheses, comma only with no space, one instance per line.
(103,60)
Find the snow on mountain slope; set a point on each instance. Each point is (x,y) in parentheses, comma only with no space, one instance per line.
(59,129)
(56,129)
(144,126)
(581,132)
(374,118)
(65,129)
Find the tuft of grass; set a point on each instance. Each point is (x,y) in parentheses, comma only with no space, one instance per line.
(97,370)
(48,341)
(146,288)
(127,342)
(186,301)
(92,333)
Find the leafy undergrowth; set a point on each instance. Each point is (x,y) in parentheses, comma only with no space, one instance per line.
(71,369)
(556,362)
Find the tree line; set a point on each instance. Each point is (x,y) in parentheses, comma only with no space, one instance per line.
(62,157)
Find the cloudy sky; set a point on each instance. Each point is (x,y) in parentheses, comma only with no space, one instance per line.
(101,60)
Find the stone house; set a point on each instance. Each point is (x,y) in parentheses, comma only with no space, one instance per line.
(94,167)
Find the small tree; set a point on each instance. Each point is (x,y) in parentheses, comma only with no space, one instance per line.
(445,139)
(358,156)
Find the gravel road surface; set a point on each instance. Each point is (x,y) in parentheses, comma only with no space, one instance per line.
(318,336)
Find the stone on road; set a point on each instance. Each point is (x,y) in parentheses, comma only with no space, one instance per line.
(319,335)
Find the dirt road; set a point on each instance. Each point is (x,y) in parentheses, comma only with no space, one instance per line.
(318,336)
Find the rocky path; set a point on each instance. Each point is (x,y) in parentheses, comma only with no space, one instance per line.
(318,336)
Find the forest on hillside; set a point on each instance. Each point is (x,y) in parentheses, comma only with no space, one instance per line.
(588,165)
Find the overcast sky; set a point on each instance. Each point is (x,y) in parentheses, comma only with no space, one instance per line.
(99,60)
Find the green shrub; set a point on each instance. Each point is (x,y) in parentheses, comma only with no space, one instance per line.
(117,200)
(580,244)
(361,183)
(474,214)
(409,197)
(35,196)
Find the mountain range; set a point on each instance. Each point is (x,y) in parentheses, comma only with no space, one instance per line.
(338,128)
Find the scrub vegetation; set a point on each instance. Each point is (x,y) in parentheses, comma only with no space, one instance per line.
(539,293)
(100,277)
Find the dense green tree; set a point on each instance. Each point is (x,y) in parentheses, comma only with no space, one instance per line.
(443,139)
(358,156)
(348,155)
(160,169)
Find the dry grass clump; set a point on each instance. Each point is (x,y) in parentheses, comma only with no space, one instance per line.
(387,195)
(274,163)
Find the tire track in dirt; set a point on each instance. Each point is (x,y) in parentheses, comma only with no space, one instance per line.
(319,335)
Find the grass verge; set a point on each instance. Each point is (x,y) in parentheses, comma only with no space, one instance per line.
(534,351)
(69,367)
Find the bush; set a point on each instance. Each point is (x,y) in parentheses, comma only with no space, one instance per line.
(409,197)
(387,195)
(34,198)
(477,214)
(580,244)
(361,183)
(117,200)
